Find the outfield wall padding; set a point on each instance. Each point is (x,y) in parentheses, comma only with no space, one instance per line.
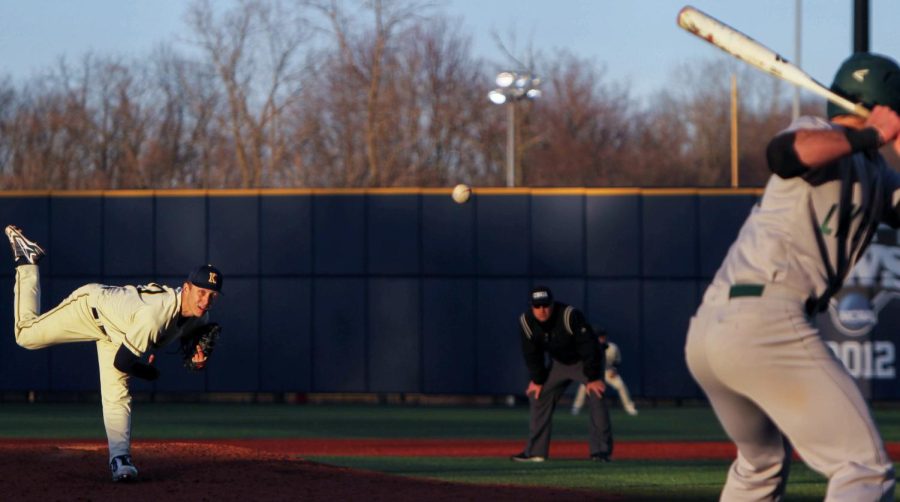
(388,291)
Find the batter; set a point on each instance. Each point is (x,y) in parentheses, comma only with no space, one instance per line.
(753,345)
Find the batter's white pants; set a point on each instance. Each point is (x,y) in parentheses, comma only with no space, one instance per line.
(771,378)
(616,382)
(72,321)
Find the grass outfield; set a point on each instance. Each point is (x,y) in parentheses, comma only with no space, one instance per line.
(207,420)
(635,479)
(632,479)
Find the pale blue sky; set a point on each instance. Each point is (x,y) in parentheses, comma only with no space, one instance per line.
(637,40)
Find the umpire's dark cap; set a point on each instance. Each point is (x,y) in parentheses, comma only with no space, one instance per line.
(207,276)
(541,296)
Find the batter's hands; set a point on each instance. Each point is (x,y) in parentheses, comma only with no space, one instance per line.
(886,122)
(535,389)
(597,388)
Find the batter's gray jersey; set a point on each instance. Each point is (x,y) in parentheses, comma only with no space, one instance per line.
(753,345)
(792,237)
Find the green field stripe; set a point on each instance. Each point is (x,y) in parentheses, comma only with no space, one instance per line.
(205,420)
(634,479)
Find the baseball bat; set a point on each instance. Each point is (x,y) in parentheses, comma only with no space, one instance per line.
(756,54)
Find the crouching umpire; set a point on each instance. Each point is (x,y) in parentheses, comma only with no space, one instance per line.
(560,331)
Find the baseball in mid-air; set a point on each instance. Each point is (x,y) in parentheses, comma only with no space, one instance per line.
(461,193)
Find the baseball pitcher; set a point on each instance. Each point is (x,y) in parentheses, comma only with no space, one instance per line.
(125,323)
(753,345)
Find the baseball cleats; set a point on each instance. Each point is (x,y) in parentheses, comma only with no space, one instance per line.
(24,251)
(600,457)
(123,469)
(522,457)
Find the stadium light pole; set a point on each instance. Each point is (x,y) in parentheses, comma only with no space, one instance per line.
(512,87)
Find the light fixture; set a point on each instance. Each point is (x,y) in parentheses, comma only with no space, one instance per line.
(512,87)
(505,78)
(497,97)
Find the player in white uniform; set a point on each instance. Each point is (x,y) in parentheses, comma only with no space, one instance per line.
(125,322)
(753,345)
(611,376)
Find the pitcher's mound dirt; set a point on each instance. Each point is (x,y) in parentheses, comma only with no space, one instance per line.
(47,471)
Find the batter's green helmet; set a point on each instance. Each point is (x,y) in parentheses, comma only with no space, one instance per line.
(867,78)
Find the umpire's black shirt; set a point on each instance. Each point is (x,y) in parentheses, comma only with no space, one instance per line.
(565,336)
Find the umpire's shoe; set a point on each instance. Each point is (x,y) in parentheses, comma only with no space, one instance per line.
(25,252)
(123,469)
(522,457)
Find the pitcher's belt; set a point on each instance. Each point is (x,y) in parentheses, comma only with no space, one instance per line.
(97,320)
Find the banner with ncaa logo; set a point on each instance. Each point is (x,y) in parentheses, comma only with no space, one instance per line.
(863,320)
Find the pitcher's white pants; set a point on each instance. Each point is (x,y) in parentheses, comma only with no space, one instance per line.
(72,321)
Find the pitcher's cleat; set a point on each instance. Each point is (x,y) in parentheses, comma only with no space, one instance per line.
(123,469)
(25,251)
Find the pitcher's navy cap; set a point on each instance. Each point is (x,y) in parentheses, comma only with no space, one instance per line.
(207,276)
(541,296)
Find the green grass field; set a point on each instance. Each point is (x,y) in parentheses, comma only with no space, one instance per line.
(635,479)
(207,420)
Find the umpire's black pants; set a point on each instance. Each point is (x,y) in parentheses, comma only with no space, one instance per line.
(561,375)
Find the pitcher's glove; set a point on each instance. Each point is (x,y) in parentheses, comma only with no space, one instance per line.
(203,339)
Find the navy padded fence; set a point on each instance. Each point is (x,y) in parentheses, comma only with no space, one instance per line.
(384,290)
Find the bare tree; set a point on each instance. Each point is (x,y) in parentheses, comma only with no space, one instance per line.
(9,134)
(253,50)
(383,93)
(433,120)
(663,150)
(435,115)
(459,118)
(188,142)
(178,151)
(121,125)
(51,132)
(364,57)
(686,132)
(8,105)
(581,127)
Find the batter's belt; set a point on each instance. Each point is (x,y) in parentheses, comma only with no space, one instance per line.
(768,291)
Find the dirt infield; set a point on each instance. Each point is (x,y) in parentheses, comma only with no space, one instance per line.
(274,469)
(44,471)
(484,448)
